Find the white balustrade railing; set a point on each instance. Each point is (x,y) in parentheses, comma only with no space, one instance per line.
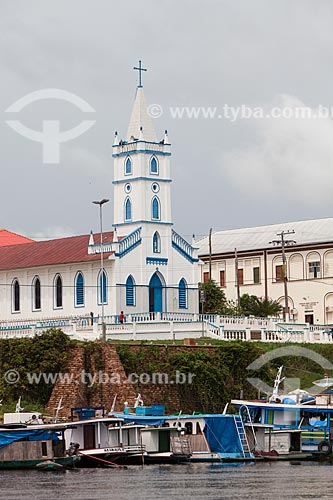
(175,325)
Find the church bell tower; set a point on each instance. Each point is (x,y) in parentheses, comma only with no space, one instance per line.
(141,171)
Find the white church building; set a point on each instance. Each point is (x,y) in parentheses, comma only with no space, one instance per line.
(147,266)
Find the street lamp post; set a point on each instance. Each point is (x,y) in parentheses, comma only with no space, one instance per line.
(101,283)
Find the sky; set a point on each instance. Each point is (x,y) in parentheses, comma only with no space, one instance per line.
(227,172)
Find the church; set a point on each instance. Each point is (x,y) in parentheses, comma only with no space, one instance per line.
(147,266)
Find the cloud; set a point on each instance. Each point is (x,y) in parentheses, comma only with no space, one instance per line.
(290,159)
(50,233)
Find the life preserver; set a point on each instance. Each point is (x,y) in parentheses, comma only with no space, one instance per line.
(324,447)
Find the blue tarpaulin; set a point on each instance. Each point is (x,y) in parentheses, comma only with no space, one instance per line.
(143,420)
(8,437)
(221,434)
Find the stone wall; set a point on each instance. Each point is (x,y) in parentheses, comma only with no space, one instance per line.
(90,385)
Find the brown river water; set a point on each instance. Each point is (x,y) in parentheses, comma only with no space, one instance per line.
(266,481)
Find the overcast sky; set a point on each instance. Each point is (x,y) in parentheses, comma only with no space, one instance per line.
(198,53)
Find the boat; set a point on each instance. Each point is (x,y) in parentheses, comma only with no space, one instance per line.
(160,444)
(193,438)
(88,434)
(296,425)
(49,465)
(28,446)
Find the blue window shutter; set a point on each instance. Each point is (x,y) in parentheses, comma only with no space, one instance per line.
(130,297)
(153,165)
(156,243)
(16,294)
(37,294)
(155,209)
(103,288)
(79,290)
(182,294)
(128,209)
(128,166)
(58,291)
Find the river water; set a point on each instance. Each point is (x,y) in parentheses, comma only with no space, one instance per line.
(261,481)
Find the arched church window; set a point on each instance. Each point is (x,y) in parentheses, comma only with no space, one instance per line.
(155,209)
(153,166)
(16,295)
(58,291)
(128,166)
(79,290)
(128,209)
(36,290)
(182,294)
(130,291)
(102,287)
(156,242)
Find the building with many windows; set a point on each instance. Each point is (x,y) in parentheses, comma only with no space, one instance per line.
(259,266)
(148,266)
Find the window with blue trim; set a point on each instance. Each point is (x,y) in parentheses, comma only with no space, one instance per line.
(79,290)
(16,296)
(128,209)
(58,291)
(128,166)
(182,294)
(103,288)
(155,209)
(156,242)
(36,294)
(153,166)
(130,291)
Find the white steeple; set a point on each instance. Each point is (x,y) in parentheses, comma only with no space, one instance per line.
(141,172)
(140,118)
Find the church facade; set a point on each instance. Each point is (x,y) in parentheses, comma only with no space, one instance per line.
(147,265)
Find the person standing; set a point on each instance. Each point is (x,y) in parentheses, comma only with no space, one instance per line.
(121,317)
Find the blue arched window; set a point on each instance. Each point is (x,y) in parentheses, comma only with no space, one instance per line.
(130,291)
(128,166)
(128,209)
(102,287)
(79,290)
(36,294)
(156,242)
(16,296)
(153,166)
(58,291)
(182,294)
(155,209)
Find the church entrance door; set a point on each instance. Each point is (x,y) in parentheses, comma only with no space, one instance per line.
(155,293)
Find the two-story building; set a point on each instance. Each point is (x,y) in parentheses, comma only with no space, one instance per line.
(252,257)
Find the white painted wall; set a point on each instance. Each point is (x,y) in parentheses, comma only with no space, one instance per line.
(307,295)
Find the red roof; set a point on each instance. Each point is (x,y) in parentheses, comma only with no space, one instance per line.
(52,252)
(9,238)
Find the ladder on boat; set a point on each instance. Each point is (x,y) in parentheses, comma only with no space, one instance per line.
(242,436)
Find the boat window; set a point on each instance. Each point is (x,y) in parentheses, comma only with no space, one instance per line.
(198,431)
(189,427)
(44,448)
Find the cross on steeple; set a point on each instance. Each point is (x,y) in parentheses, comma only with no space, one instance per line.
(140,69)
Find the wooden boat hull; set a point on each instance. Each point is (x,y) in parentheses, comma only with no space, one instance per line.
(65,462)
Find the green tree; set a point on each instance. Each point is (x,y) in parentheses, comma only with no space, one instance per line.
(251,305)
(216,302)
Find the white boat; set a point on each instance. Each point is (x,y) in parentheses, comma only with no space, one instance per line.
(284,426)
(201,437)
